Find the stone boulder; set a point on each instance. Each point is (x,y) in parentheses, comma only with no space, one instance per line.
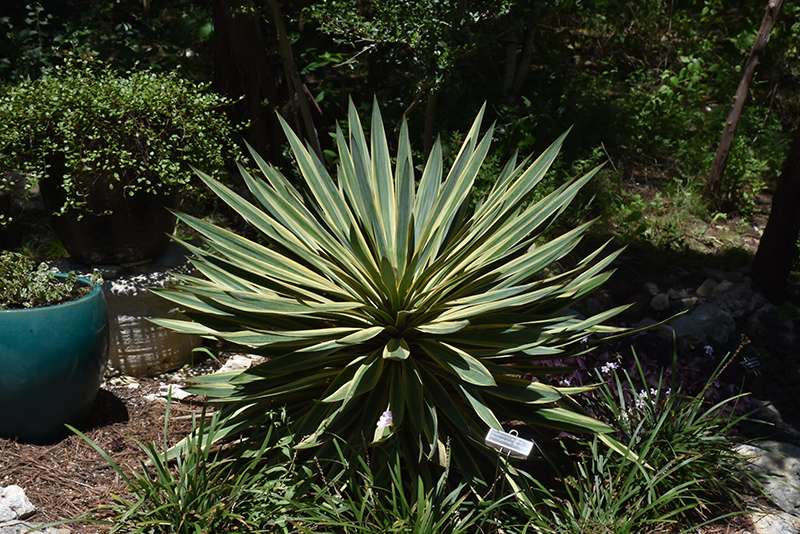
(14,504)
(780,464)
(705,325)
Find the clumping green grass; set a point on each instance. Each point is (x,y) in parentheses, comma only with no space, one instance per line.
(686,464)
(683,467)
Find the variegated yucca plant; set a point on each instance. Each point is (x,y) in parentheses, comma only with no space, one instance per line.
(377,290)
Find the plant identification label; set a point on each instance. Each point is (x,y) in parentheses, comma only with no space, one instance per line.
(508,443)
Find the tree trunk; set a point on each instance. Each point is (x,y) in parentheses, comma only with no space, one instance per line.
(778,247)
(714,181)
(430,114)
(298,88)
(524,65)
(242,72)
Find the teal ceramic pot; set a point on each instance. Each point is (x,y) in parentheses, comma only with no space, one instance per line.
(52,361)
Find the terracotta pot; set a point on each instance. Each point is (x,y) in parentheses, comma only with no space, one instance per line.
(53,359)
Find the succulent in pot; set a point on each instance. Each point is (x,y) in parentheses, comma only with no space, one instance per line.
(53,349)
(109,151)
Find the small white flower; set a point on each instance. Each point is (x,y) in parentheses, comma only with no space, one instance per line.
(608,367)
(385,420)
(641,399)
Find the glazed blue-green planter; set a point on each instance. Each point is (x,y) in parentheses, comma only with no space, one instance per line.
(52,361)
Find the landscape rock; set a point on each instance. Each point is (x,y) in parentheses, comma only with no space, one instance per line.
(738,300)
(774,523)
(707,288)
(240,362)
(780,462)
(651,288)
(660,302)
(14,504)
(22,527)
(778,429)
(706,325)
(173,391)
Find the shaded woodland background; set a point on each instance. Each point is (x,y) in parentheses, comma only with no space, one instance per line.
(645,86)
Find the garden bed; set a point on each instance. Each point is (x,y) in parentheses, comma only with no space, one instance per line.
(68,478)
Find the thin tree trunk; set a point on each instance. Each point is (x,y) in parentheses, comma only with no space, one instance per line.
(294,76)
(430,113)
(778,246)
(509,66)
(241,61)
(524,65)
(714,181)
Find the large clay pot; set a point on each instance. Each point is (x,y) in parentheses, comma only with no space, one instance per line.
(116,228)
(52,361)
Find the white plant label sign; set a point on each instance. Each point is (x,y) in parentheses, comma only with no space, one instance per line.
(509,443)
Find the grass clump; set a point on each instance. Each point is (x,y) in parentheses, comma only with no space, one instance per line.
(684,469)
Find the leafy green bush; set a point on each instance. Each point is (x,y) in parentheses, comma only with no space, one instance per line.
(104,130)
(377,295)
(22,285)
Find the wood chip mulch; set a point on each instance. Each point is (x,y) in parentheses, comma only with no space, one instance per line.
(66,479)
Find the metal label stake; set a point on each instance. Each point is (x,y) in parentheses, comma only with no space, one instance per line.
(509,443)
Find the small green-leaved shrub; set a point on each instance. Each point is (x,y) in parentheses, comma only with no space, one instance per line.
(93,129)
(23,285)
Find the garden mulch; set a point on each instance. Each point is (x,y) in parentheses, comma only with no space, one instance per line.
(66,479)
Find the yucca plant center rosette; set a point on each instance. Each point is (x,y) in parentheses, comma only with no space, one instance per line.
(382,291)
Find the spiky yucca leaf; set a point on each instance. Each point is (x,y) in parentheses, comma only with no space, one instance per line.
(377,292)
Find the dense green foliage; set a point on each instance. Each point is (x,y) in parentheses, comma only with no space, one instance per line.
(126,33)
(23,285)
(651,82)
(139,131)
(380,292)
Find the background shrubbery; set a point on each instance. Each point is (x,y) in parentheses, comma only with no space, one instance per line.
(646,85)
